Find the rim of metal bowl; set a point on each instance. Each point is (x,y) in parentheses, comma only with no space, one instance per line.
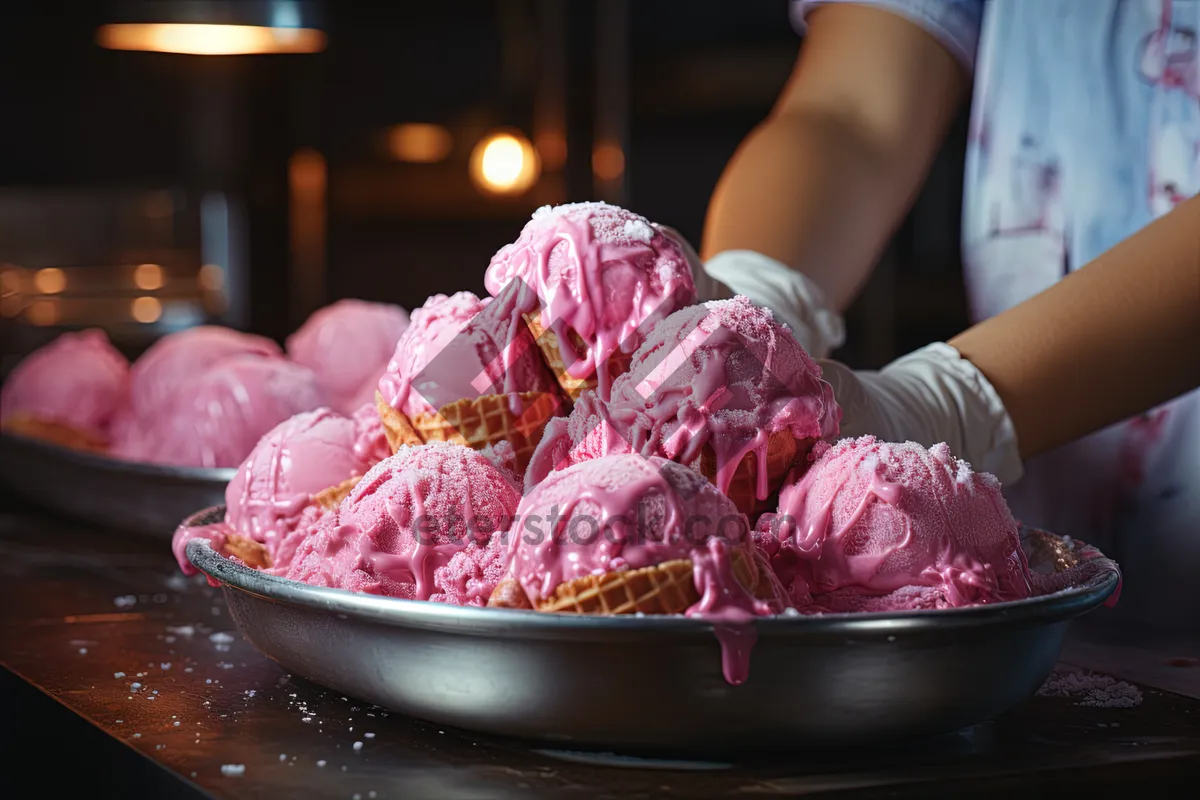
(471,620)
(109,464)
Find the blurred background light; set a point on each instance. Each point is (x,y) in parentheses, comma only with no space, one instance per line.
(420,142)
(148,277)
(145,309)
(608,162)
(504,163)
(215,27)
(43,312)
(211,278)
(209,40)
(51,280)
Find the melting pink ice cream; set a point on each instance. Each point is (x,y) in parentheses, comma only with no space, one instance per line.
(724,375)
(424,524)
(78,380)
(459,346)
(348,345)
(272,494)
(597,270)
(628,512)
(873,526)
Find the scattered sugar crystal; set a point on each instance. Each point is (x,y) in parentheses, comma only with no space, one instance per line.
(283,756)
(358,745)
(321,763)
(125,601)
(135,686)
(1091,689)
(176,723)
(120,721)
(233,769)
(83,651)
(137,736)
(369,735)
(165,665)
(182,630)
(118,674)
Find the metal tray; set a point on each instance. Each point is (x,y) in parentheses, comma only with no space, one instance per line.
(143,498)
(654,684)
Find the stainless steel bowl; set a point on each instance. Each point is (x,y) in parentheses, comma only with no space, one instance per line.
(654,684)
(144,498)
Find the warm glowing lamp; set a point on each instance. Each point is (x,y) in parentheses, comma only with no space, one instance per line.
(215,27)
(504,162)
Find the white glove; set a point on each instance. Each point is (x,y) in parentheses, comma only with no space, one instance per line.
(793,299)
(929,396)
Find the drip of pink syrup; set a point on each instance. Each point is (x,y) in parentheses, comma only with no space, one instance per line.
(729,606)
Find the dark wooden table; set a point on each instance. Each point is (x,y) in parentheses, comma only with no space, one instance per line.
(124,679)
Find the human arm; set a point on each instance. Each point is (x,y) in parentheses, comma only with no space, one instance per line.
(1118,336)
(823,182)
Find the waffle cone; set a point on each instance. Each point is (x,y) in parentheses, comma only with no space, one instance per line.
(253,553)
(482,421)
(666,588)
(332,497)
(396,427)
(46,430)
(547,342)
(783,451)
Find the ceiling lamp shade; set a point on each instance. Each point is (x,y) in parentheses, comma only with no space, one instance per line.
(215,27)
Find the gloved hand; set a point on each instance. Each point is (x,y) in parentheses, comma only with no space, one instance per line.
(929,396)
(794,299)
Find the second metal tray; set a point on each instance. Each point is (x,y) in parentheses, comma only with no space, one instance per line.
(143,498)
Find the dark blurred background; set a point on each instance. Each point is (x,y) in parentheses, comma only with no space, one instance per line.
(147,191)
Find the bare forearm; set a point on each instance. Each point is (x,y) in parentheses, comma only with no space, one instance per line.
(803,191)
(823,182)
(1115,338)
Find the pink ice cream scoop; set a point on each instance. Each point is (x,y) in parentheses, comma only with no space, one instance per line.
(348,344)
(370,441)
(617,513)
(177,358)
(463,347)
(217,416)
(79,380)
(878,526)
(627,512)
(297,459)
(598,271)
(399,532)
(723,376)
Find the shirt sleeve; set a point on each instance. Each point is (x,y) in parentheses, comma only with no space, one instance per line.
(954,23)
